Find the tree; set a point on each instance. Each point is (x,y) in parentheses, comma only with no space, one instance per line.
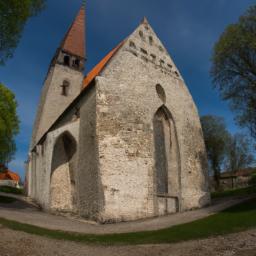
(13,17)
(239,154)
(9,124)
(215,137)
(234,68)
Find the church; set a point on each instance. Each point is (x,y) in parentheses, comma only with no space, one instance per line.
(121,143)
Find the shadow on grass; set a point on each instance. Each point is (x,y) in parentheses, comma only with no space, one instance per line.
(7,200)
(234,192)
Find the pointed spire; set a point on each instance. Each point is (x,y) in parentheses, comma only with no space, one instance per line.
(74,41)
(144,20)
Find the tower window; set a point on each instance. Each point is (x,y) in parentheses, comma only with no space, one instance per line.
(76,63)
(65,87)
(66,60)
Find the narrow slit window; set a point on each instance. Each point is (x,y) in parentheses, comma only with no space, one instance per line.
(150,40)
(64,88)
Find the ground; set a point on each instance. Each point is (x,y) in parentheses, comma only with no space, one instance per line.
(15,243)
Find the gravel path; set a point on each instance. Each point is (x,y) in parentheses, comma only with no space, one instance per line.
(24,212)
(13,243)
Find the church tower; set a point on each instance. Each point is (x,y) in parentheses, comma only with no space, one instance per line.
(64,79)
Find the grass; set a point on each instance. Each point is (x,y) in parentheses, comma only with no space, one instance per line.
(235,192)
(7,200)
(11,190)
(235,219)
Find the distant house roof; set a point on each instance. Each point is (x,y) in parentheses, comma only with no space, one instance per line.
(9,175)
(100,66)
(240,173)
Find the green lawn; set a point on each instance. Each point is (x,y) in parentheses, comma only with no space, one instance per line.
(7,200)
(11,190)
(235,219)
(235,192)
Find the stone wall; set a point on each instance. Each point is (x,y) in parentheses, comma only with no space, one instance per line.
(127,100)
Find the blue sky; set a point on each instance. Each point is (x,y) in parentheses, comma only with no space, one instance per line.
(187,28)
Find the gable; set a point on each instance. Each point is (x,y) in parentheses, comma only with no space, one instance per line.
(145,44)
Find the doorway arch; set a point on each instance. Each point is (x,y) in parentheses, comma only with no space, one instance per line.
(62,184)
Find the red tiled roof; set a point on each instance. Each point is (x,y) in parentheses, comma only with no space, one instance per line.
(100,66)
(9,175)
(74,41)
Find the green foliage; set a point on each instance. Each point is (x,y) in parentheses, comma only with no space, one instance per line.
(234,68)
(216,137)
(11,190)
(13,17)
(9,124)
(235,219)
(253,180)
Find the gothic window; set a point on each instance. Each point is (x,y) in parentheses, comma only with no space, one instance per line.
(65,87)
(161,93)
(162,141)
(66,60)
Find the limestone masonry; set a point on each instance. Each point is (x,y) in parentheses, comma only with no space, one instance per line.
(122,143)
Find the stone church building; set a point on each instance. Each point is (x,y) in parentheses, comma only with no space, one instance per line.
(123,142)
